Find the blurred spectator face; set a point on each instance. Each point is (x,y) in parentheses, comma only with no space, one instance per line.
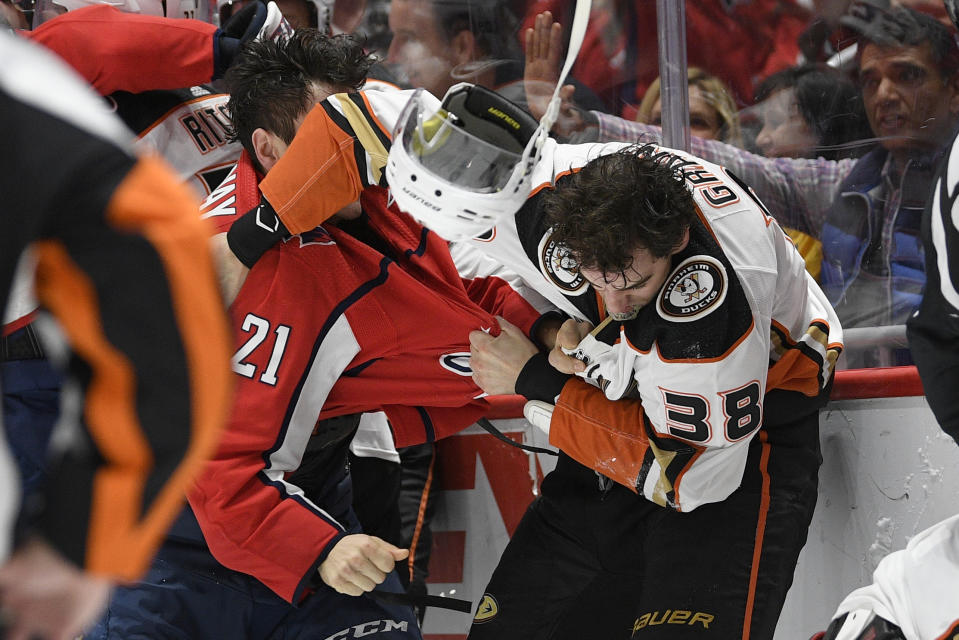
(16,18)
(908,102)
(419,48)
(785,133)
(704,121)
(296,12)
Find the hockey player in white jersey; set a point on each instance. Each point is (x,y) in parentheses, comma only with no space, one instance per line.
(719,352)
(714,356)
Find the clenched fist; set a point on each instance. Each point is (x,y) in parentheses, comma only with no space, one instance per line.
(358,563)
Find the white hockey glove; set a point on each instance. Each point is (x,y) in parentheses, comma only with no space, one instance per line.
(539,414)
(255,21)
(608,367)
(275,27)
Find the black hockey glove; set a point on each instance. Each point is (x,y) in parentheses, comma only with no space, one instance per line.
(256,20)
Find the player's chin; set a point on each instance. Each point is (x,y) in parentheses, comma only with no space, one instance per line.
(623,316)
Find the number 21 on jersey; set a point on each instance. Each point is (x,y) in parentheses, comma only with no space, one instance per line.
(261,330)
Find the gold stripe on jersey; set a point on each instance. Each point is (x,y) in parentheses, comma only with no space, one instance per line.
(364,130)
(675,457)
(803,365)
(664,488)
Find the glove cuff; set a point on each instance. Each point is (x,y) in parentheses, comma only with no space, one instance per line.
(225,50)
(253,233)
(538,380)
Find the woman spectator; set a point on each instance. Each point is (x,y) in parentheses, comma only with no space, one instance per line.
(712,110)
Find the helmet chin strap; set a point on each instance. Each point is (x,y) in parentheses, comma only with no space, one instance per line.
(576,36)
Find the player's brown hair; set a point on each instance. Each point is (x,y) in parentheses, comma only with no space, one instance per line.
(271,83)
(636,197)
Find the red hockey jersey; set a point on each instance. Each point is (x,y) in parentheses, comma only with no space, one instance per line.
(326,326)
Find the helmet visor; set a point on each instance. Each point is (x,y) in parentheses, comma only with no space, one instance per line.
(437,141)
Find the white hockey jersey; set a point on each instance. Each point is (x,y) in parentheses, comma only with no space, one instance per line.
(189,127)
(916,588)
(737,317)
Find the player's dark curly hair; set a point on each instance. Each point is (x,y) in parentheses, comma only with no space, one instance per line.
(636,197)
(270,83)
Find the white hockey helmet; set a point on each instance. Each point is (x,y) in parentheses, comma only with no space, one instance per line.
(462,167)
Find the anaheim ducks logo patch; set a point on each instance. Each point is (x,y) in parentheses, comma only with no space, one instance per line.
(487,609)
(695,289)
(558,267)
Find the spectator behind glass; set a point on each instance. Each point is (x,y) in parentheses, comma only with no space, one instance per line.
(735,41)
(12,16)
(713,116)
(810,111)
(437,43)
(712,111)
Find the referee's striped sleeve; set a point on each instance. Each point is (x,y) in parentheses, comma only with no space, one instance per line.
(124,266)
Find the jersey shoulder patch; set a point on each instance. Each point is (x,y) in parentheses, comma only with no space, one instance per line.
(695,288)
(559,267)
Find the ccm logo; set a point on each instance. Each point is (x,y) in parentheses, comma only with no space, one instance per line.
(368,629)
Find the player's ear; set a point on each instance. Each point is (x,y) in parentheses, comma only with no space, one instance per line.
(463,47)
(682,243)
(266,145)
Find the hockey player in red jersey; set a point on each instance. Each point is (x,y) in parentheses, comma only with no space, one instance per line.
(363,315)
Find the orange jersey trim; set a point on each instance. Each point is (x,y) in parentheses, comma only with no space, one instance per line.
(123,533)
(316,177)
(760,534)
(420,518)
